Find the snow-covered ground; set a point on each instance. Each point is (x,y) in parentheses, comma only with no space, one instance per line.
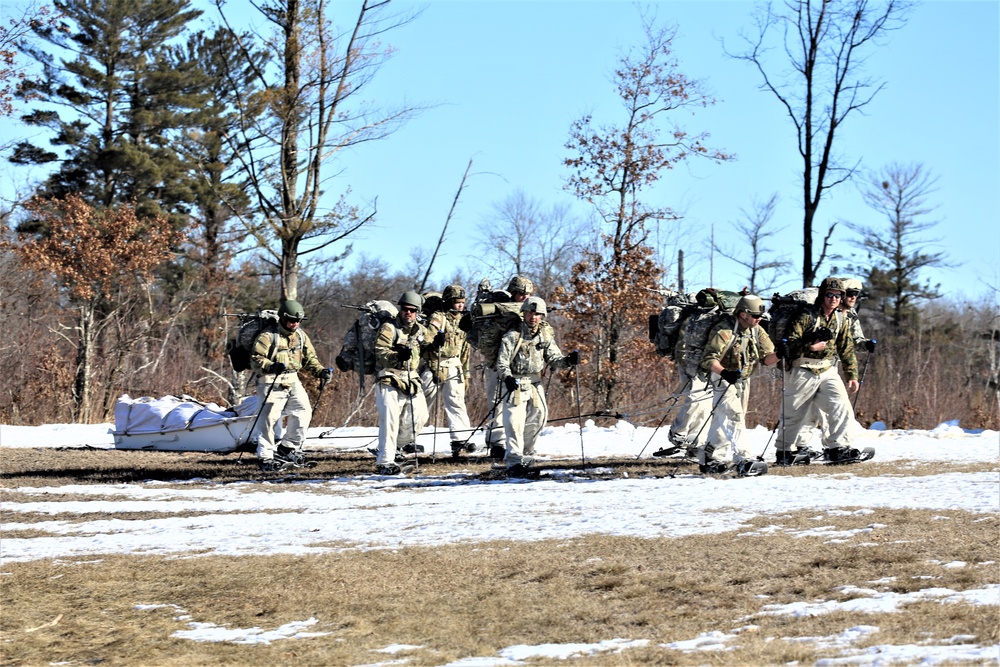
(379,512)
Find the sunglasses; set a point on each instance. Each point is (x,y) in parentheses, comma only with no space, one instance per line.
(853,292)
(408,310)
(756,316)
(834,295)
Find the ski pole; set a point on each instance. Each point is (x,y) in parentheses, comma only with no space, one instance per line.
(579,419)
(711,415)
(489,413)
(861,381)
(260,411)
(676,397)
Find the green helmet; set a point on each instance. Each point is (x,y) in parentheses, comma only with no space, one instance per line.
(291,310)
(534,304)
(751,304)
(520,284)
(411,299)
(831,283)
(453,293)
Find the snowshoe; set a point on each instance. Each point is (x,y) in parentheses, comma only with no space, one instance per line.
(270,466)
(497,451)
(813,454)
(789,458)
(393,469)
(748,468)
(293,458)
(521,471)
(666,451)
(714,468)
(411,448)
(847,455)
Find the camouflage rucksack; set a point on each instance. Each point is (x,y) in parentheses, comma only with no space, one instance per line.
(697,322)
(251,325)
(785,307)
(490,321)
(358,350)
(664,327)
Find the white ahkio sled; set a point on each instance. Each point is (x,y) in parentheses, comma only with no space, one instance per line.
(173,424)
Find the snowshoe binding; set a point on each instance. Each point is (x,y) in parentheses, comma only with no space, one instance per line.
(666,451)
(847,455)
(521,471)
(272,466)
(790,458)
(748,468)
(713,467)
(395,469)
(293,458)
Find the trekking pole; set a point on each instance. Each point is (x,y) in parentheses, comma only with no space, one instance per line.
(781,411)
(489,413)
(260,411)
(579,413)
(675,398)
(861,381)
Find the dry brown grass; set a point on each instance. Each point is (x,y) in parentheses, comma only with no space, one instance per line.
(473,600)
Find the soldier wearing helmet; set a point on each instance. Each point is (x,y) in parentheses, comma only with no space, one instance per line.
(278,354)
(817,337)
(524,354)
(520,288)
(446,368)
(736,346)
(852,292)
(402,409)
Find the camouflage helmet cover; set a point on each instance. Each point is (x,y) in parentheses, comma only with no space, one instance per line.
(831,283)
(291,310)
(520,284)
(534,304)
(751,304)
(453,293)
(411,299)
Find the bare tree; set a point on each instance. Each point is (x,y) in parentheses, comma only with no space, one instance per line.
(304,111)
(896,250)
(522,237)
(754,256)
(819,81)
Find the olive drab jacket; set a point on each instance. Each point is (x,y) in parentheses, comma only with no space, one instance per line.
(456,345)
(293,349)
(524,354)
(841,345)
(389,368)
(735,348)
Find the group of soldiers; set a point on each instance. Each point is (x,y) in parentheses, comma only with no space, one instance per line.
(422,355)
(814,394)
(418,356)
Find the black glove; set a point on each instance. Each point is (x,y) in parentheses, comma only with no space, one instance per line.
(781,349)
(870,344)
(465,322)
(438,339)
(342,364)
(817,335)
(277,368)
(732,377)
(403,352)
(573,358)
(326,374)
(510,382)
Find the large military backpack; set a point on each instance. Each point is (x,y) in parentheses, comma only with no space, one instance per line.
(358,350)
(490,321)
(238,348)
(698,320)
(665,326)
(784,308)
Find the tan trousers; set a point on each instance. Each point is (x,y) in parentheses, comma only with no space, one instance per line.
(495,422)
(696,405)
(291,402)
(399,416)
(525,413)
(808,396)
(728,421)
(452,397)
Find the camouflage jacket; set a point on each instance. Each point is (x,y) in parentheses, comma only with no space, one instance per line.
(735,348)
(390,369)
(293,349)
(854,323)
(524,353)
(456,344)
(842,344)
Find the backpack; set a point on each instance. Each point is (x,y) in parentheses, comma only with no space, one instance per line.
(784,308)
(664,327)
(251,325)
(358,348)
(490,321)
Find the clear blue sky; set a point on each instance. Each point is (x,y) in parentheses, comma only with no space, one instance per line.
(510,77)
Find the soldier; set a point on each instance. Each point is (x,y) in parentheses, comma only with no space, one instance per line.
(519,288)
(852,291)
(816,338)
(277,356)
(447,368)
(399,396)
(524,354)
(736,345)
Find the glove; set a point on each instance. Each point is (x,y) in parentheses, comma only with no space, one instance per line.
(510,382)
(277,368)
(573,358)
(781,349)
(403,352)
(438,339)
(732,377)
(326,374)
(870,344)
(819,335)
(342,364)
(465,323)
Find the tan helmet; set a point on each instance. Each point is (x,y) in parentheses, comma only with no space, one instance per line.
(453,293)
(520,284)
(852,285)
(831,283)
(751,304)
(411,299)
(534,304)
